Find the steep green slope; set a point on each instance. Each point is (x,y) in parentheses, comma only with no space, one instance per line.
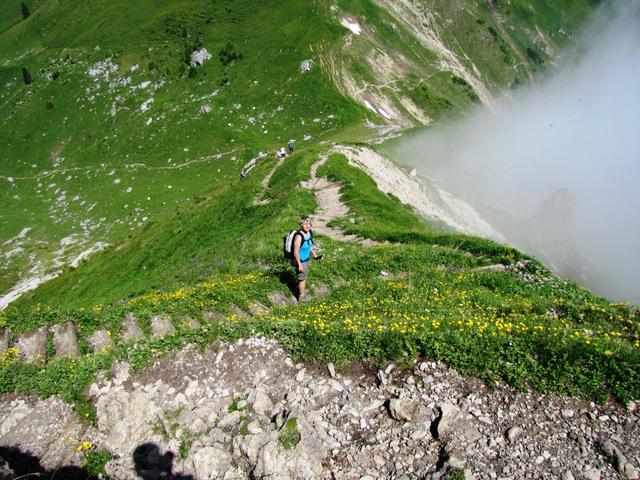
(415,62)
(88,157)
(106,126)
(116,128)
(223,232)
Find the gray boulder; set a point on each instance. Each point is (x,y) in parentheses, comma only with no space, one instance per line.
(161,325)
(65,340)
(449,415)
(279,299)
(4,340)
(19,410)
(260,402)
(100,341)
(132,330)
(402,409)
(33,346)
(126,419)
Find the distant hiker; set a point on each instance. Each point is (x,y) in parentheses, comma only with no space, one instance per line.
(281,153)
(302,249)
(291,145)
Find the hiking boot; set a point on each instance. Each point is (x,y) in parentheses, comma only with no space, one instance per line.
(304,298)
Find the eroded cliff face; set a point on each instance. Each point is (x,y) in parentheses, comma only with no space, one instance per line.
(410,62)
(426,197)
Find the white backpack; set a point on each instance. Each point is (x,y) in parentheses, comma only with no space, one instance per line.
(287,243)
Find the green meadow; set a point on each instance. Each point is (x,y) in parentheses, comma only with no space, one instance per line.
(109,135)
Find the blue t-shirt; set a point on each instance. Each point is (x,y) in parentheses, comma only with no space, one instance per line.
(305,246)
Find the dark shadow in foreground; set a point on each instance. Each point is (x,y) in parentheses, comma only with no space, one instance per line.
(150,464)
(287,278)
(25,465)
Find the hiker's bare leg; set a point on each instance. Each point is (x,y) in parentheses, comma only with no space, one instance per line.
(301,287)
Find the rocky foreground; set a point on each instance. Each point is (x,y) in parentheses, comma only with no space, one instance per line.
(245,410)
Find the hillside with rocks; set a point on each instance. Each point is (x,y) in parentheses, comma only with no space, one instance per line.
(247,410)
(114,118)
(149,326)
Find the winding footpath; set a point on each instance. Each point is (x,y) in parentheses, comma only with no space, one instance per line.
(330,206)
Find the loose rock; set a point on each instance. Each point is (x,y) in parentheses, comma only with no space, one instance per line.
(161,325)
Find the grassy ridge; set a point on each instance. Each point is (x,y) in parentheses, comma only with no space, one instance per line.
(383,217)
(494,325)
(440,295)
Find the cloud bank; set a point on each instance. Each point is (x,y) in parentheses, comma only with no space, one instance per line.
(561,158)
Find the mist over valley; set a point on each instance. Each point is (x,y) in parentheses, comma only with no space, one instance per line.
(555,166)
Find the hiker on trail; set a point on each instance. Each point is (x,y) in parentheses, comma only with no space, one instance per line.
(291,145)
(302,252)
(281,153)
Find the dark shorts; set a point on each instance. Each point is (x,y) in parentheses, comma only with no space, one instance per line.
(305,271)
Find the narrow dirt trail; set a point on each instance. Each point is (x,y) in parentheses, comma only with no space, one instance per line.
(330,207)
(107,166)
(267,179)
(258,200)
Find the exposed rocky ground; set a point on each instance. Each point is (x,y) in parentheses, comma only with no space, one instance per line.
(246,410)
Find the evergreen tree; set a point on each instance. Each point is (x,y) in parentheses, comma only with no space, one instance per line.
(25,10)
(26,76)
